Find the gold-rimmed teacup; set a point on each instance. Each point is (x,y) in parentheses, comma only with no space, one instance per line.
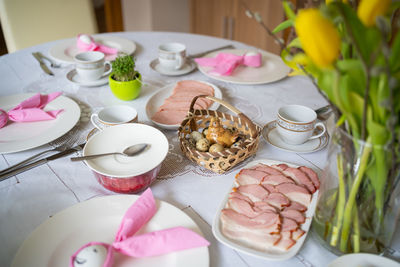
(296,124)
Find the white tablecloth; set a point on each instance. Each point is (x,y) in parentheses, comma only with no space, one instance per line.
(29,198)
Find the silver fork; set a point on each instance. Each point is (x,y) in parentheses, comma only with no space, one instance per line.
(52,63)
(60,144)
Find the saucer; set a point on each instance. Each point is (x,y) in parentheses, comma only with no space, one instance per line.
(73,77)
(271,135)
(188,67)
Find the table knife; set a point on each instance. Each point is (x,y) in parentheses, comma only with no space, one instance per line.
(209,51)
(41,162)
(42,64)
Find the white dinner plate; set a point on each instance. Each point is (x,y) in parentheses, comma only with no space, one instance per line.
(271,254)
(363,259)
(19,136)
(157,99)
(271,135)
(271,70)
(56,240)
(65,51)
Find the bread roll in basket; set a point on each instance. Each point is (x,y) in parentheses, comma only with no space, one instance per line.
(219,162)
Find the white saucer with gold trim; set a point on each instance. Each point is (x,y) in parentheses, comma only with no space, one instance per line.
(271,135)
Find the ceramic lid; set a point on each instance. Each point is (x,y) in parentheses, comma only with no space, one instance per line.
(116,139)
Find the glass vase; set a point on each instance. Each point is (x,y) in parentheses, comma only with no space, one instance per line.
(359,199)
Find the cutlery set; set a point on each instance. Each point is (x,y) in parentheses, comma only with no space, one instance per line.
(39,57)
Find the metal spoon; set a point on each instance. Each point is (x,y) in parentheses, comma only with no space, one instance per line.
(128,152)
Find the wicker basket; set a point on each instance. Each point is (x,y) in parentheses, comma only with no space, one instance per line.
(218,162)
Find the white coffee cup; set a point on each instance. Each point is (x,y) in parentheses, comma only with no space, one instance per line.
(114,115)
(296,124)
(172,55)
(91,65)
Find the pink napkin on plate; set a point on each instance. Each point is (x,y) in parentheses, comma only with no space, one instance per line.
(85,42)
(138,246)
(31,109)
(225,63)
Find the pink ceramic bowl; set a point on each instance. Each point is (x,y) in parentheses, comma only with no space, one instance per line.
(126,174)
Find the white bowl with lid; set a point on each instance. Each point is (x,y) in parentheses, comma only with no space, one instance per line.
(126,174)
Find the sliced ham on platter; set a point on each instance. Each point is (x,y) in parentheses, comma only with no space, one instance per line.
(175,107)
(267,207)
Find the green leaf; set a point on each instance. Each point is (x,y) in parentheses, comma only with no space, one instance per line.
(355,72)
(366,40)
(294,43)
(284,25)
(394,57)
(287,7)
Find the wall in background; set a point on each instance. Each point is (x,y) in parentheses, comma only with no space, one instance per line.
(156,15)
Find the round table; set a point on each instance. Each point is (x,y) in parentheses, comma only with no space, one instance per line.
(31,197)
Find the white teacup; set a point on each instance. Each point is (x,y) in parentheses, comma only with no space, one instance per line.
(172,55)
(114,115)
(296,124)
(91,65)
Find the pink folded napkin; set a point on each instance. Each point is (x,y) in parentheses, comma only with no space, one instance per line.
(31,109)
(85,42)
(225,63)
(138,246)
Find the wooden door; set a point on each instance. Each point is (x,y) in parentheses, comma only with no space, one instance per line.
(249,31)
(211,17)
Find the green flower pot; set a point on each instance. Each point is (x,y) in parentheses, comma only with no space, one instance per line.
(125,90)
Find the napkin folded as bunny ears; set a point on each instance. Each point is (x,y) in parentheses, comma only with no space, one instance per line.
(85,42)
(30,110)
(223,64)
(138,246)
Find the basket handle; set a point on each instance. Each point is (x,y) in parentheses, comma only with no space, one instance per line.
(244,118)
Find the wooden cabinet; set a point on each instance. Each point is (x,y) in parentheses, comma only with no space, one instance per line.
(228,19)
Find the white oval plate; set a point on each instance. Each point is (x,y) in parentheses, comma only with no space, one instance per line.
(98,219)
(19,136)
(271,70)
(363,259)
(65,51)
(276,255)
(271,135)
(157,99)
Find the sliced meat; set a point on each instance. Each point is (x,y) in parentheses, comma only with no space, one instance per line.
(267,169)
(262,206)
(253,191)
(295,193)
(250,176)
(300,178)
(297,234)
(252,237)
(280,167)
(286,241)
(243,207)
(288,225)
(275,179)
(277,200)
(268,222)
(294,215)
(240,196)
(296,206)
(189,85)
(170,117)
(311,174)
(181,106)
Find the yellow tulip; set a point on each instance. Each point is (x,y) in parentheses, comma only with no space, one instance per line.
(318,37)
(368,10)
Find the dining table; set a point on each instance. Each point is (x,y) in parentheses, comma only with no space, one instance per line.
(30,198)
